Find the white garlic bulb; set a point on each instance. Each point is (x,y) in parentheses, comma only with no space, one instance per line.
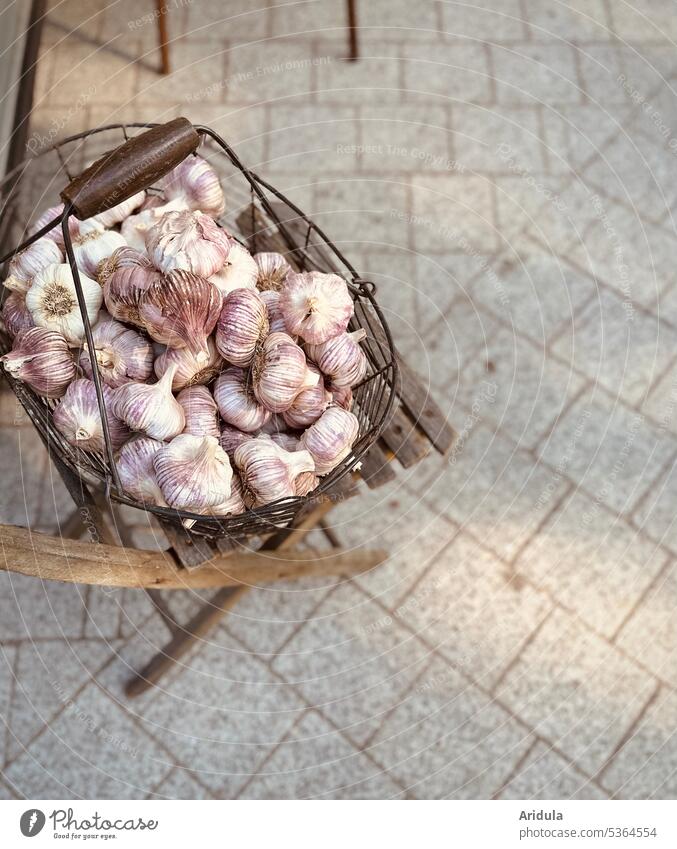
(231,437)
(181,311)
(273,271)
(234,505)
(308,405)
(122,354)
(78,419)
(275,318)
(268,472)
(53,302)
(196,184)
(200,411)
(135,468)
(150,408)
(316,306)
(341,358)
(238,271)
(236,401)
(330,439)
(15,314)
(25,265)
(188,241)
(189,371)
(280,372)
(242,326)
(42,359)
(194,473)
(125,276)
(123,210)
(93,246)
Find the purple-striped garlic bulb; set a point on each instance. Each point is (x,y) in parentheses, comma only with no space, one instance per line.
(137,474)
(134,229)
(15,314)
(196,184)
(242,326)
(305,483)
(342,396)
(122,354)
(125,276)
(25,265)
(280,372)
(188,241)
(116,214)
(200,411)
(150,408)
(181,312)
(316,306)
(275,318)
(190,371)
(308,405)
(93,246)
(268,472)
(78,420)
(41,359)
(330,439)
(236,401)
(341,359)
(231,437)
(55,234)
(273,271)
(234,504)
(194,473)
(239,271)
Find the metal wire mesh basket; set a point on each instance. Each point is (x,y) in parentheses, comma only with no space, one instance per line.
(31,187)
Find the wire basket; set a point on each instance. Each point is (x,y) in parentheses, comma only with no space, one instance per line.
(135,156)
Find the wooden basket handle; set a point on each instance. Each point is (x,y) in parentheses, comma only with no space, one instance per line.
(131,167)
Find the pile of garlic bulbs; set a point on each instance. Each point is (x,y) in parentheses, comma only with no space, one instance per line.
(227,377)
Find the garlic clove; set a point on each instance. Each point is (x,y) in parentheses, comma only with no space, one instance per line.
(200,411)
(150,408)
(273,269)
(242,326)
(122,354)
(193,472)
(52,301)
(238,271)
(15,314)
(190,371)
(196,184)
(316,306)
(331,438)
(236,401)
(231,437)
(78,419)
(188,241)
(25,265)
(93,246)
(117,214)
(42,359)
(275,318)
(125,276)
(135,468)
(268,472)
(308,405)
(181,311)
(280,372)
(341,358)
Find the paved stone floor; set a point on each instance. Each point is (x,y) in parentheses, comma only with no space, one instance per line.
(505,170)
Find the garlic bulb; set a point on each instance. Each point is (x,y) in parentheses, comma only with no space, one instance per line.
(150,408)
(78,419)
(242,326)
(15,314)
(93,246)
(189,371)
(135,468)
(234,505)
(286,440)
(123,210)
(189,241)
(341,358)
(316,306)
(275,318)
(236,402)
(280,372)
(342,396)
(55,234)
(53,302)
(330,439)
(196,184)
(200,411)
(238,271)
(305,483)
(268,472)
(194,473)
(308,405)
(125,276)
(122,354)
(25,265)
(181,312)
(231,437)
(42,359)
(273,270)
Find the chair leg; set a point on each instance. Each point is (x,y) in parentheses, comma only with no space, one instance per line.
(163,36)
(353,54)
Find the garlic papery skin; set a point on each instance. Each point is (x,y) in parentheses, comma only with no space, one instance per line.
(194,473)
(280,372)
(242,326)
(341,358)
(268,472)
(239,271)
(342,396)
(78,419)
(189,371)
(135,468)
(275,318)
(150,408)
(273,270)
(53,302)
(25,265)
(200,411)
(42,359)
(236,401)
(234,505)
(188,241)
(118,213)
(231,437)
(330,439)
(15,314)
(316,306)
(122,354)
(196,184)
(125,276)
(93,245)
(181,312)
(305,483)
